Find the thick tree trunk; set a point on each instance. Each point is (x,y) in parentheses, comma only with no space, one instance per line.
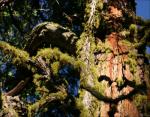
(119,66)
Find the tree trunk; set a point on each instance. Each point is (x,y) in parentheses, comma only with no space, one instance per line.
(117,61)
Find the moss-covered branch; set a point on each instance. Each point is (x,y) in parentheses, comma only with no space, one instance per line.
(42,103)
(19,57)
(56,55)
(101,97)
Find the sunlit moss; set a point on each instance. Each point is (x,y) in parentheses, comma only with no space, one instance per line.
(104,47)
(36,79)
(56,55)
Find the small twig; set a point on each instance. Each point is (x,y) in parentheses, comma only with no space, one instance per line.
(18,88)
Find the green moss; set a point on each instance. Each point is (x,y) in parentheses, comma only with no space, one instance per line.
(101,87)
(120,81)
(19,57)
(36,79)
(133,27)
(84,113)
(56,55)
(80,105)
(104,47)
(55,67)
(44,101)
(137,80)
(127,42)
(132,61)
(139,99)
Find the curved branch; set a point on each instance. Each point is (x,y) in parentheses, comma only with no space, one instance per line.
(49,34)
(38,106)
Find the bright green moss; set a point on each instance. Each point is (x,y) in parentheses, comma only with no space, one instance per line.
(132,61)
(36,79)
(80,105)
(133,27)
(56,55)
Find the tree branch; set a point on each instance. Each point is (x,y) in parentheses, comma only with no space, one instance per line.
(51,35)
(41,104)
(101,97)
(18,88)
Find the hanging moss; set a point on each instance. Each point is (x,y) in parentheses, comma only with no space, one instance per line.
(55,67)
(104,47)
(101,87)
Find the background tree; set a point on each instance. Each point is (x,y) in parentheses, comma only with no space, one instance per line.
(90,62)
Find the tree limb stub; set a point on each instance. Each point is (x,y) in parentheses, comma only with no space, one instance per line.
(49,34)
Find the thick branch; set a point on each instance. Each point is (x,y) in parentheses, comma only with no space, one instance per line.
(50,34)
